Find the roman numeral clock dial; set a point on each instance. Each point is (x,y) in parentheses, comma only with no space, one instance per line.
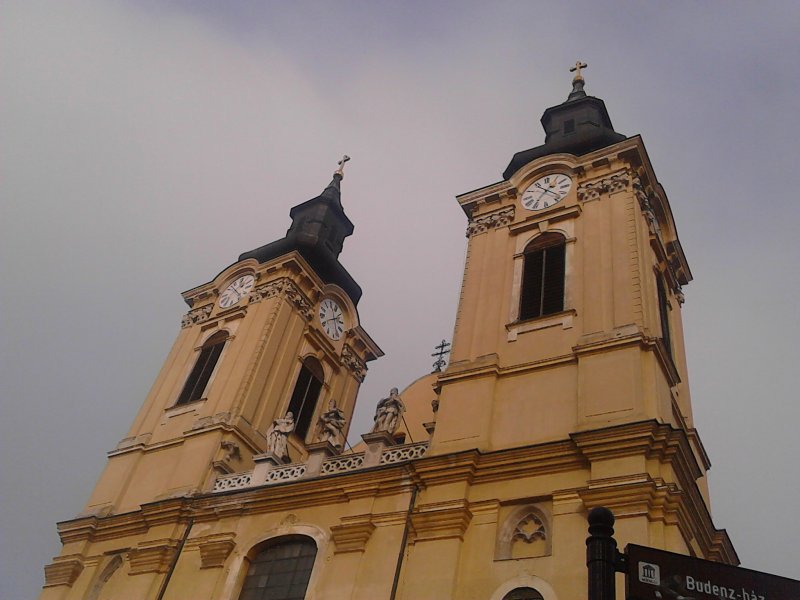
(546,191)
(236,291)
(331,318)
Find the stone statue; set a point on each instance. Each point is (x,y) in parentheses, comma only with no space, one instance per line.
(388,413)
(278,435)
(331,424)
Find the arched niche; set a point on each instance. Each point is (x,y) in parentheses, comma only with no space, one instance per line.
(525,532)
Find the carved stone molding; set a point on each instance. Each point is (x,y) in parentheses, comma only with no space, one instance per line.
(298,299)
(353,363)
(616,182)
(231,449)
(197,315)
(493,220)
(529,529)
(215,549)
(64,570)
(270,290)
(153,556)
(353,534)
(646,206)
(440,521)
(289,289)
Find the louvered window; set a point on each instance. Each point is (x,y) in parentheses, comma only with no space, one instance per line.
(195,386)
(281,571)
(663,314)
(543,277)
(305,395)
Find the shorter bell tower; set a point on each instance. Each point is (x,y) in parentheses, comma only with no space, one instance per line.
(278,331)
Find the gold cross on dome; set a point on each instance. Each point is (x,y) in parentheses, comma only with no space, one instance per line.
(340,170)
(577,70)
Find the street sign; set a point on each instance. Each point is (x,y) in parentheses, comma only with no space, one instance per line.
(657,575)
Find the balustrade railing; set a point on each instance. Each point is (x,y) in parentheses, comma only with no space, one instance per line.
(336,464)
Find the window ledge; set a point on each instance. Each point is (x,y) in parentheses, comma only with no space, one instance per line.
(181,409)
(563,318)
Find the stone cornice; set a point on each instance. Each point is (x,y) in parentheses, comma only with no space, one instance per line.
(441,520)
(493,220)
(214,549)
(678,500)
(485,195)
(93,528)
(64,570)
(352,534)
(152,556)
(648,438)
(529,461)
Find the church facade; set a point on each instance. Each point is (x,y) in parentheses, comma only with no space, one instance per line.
(566,390)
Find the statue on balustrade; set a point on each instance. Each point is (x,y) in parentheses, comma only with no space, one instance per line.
(278,436)
(388,413)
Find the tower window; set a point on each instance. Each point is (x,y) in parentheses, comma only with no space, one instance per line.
(281,571)
(663,307)
(305,395)
(569,126)
(543,277)
(195,386)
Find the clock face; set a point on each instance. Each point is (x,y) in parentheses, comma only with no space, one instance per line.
(331,318)
(546,191)
(236,291)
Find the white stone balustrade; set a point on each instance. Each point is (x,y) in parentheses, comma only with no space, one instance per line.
(341,463)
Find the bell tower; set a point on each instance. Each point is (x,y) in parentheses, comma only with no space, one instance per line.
(570,312)
(276,331)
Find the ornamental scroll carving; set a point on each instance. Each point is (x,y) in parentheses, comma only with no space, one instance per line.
(353,363)
(197,315)
(646,206)
(616,182)
(286,286)
(298,299)
(484,223)
(273,288)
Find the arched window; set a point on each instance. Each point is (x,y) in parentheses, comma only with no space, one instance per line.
(523,593)
(543,277)
(281,570)
(305,395)
(663,314)
(195,386)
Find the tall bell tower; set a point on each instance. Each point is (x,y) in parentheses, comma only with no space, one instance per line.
(570,306)
(569,330)
(276,331)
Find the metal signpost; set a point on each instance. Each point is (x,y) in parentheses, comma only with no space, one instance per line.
(652,574)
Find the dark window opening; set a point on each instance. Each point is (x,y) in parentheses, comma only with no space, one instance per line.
(569,126)
(281,571)
(305,395)
(663,314)
(195,385)
(525,593)
(543,277)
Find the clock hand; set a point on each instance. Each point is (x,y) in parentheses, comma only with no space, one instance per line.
(546,191)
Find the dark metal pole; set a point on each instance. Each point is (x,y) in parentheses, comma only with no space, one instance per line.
(601,554)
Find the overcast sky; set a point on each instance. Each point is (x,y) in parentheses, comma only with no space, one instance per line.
(144,145)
